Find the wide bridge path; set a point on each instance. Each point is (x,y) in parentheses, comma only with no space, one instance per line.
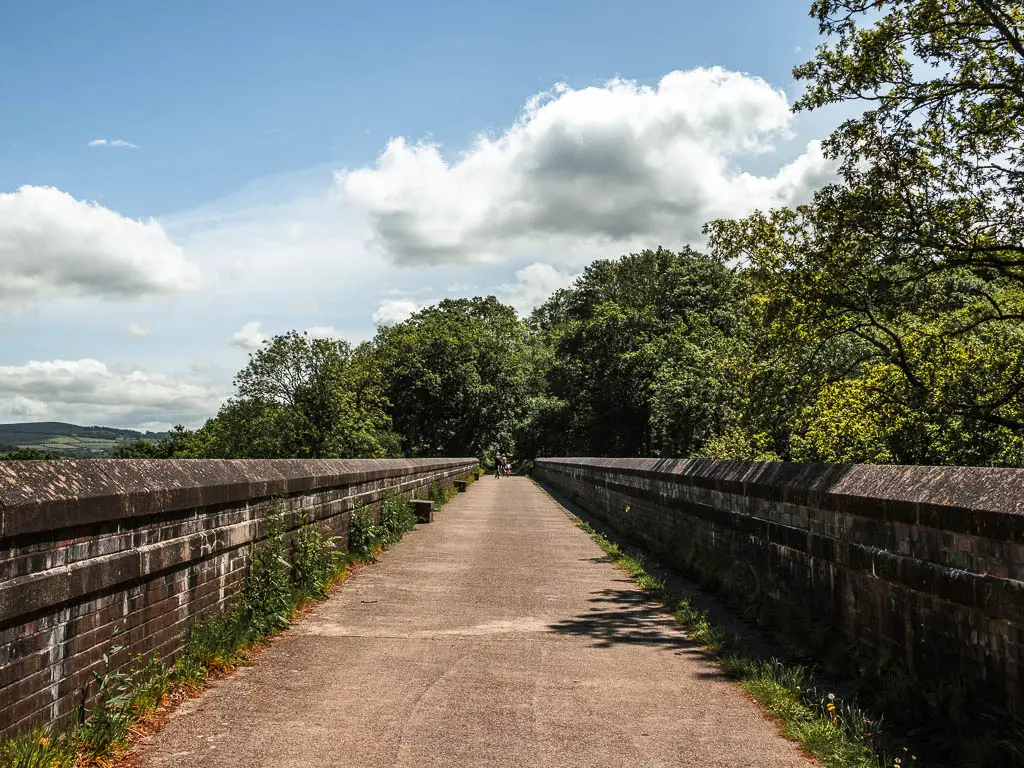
(498,635)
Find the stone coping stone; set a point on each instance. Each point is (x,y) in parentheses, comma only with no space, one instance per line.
(38,496)
(979,501)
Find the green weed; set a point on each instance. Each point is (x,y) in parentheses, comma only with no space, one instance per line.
(40,748)
(396,519)
(440,494)
(268,597)
(315,559)
(364,535)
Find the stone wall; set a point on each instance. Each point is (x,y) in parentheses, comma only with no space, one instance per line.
(132,552)
(909,570)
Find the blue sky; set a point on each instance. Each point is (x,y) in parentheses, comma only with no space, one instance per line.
(179,180)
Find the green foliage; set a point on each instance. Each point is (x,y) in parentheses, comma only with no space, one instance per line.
(835,732)
(29,454)
(179,442)
(458,377)
(364,535)
(637,343)
(315,559)
(440,494)
(300,397)
(145,449)
(268,598)
(890,311)
(40,748)
(120,697)
(396,519)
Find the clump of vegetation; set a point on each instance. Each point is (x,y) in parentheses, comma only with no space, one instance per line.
(364,534)
(396,519)
(40,747)
(440,494)
(315,559)
(29,454)
(122,698)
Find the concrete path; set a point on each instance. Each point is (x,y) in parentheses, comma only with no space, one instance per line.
(495,636)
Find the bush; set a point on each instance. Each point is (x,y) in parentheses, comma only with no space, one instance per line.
(440,494)
(268,598)
(396,519)
(314,560)
(364,535)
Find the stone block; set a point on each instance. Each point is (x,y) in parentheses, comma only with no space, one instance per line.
(424,510)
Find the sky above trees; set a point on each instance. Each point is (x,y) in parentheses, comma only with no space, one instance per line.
(180,182)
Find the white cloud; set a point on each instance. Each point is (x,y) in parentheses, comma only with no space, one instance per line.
(324,332)
(138,331)
(622,163)
(52,244)
(248,336)
(112,143)
(88,392)
(394,311)
(534,284)
(20,408)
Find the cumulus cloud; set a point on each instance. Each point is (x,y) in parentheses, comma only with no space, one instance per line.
(112,143)
(51,243)
(138,331)
(88,392)
(323,332)
(248,336)
(394,311)
(22,408)
(534,284)
(612,163)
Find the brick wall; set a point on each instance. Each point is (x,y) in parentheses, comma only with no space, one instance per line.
(132,552)
(913,569)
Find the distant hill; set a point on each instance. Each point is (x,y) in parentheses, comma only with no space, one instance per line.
(69,439)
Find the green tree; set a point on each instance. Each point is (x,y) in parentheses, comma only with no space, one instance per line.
(301,397)
(933,171)
(458,377)
(29,454)
(900,288)
(631,341)
(180,443)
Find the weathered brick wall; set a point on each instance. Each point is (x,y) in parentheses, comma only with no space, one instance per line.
(917,569)
(132,552)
